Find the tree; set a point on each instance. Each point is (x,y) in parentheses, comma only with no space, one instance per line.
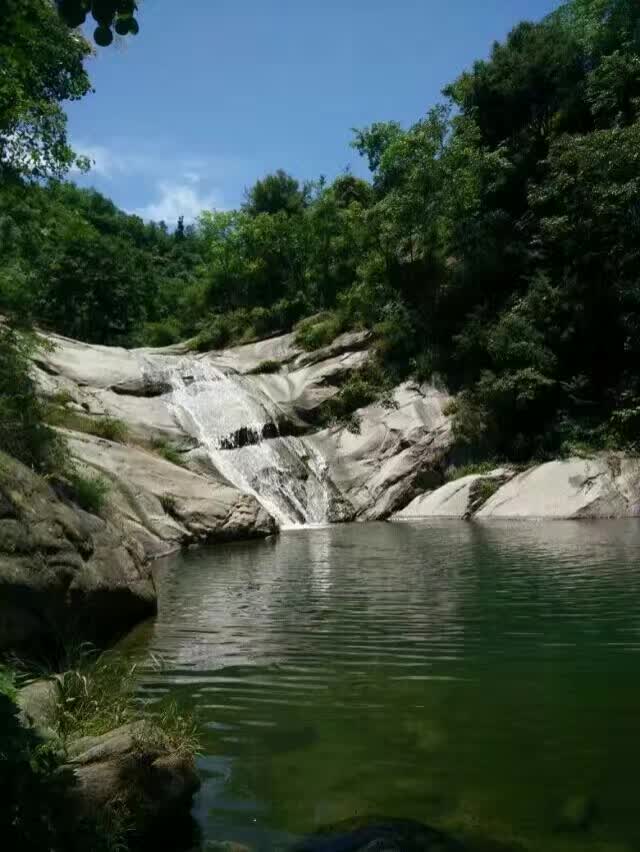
(23,432)
(276,193)
(118,15)
(94,287)
(42,65)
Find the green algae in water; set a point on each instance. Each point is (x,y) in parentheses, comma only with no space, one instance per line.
(480,679)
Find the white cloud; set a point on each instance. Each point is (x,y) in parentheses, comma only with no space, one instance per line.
(103,162)
(180,185)
(178,200)
(125,159)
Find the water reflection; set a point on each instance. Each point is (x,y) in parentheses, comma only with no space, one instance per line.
(475,677)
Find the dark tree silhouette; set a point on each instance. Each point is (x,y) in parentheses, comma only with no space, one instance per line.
(110,16)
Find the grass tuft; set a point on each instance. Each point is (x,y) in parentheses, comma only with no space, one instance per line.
(265,367)
(470,469)
(109,428)
(90,493)
(318,331)
(168,451)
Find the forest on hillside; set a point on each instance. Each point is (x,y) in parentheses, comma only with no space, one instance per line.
(495,248)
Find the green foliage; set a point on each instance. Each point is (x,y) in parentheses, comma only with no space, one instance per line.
(318,331)
(95,696)
(36,789)
(370,384)
(42,66)
(470,469)
(169,728)
(118,15)
(168,451)
(482,491)
(265,367)
(161,333)
(496,245)
(89,492)
(276,193)
(23,432)
(109,428)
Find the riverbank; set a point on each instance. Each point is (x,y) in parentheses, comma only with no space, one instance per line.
(91,766)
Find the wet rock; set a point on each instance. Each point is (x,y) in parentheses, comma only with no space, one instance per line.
(145,386)
(164,506)
(380,467)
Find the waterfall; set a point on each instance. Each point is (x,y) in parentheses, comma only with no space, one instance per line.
(238,426)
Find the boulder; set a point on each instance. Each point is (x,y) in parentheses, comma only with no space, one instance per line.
(392,453)
(163,505)
(457,499)
(605,486)
(63,569)
(133,767)
(37,702)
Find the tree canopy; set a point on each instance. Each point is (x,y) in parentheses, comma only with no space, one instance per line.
(110,16)
(41,64)
(495,246)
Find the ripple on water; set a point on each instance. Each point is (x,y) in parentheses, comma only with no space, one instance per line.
(477,677)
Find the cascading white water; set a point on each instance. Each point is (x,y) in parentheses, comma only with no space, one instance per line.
(224,412)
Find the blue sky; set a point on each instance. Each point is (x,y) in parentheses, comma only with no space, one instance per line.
(189,113)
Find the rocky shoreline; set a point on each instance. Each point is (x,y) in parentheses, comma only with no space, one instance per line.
(62,567)
(66,571)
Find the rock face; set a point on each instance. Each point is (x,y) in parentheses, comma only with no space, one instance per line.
(396,451)
(244,420)
(62,569)
(457,499)
(162,505)
(606,486)
(132,766)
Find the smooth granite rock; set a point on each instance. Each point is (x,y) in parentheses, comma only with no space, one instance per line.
(63,569)
(606,486)
(163,505)
(457,499)
(396,452)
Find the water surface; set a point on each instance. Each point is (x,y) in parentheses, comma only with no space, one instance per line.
(480,678)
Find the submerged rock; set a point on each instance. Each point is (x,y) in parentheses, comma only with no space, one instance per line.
(379,835)
(577,814)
